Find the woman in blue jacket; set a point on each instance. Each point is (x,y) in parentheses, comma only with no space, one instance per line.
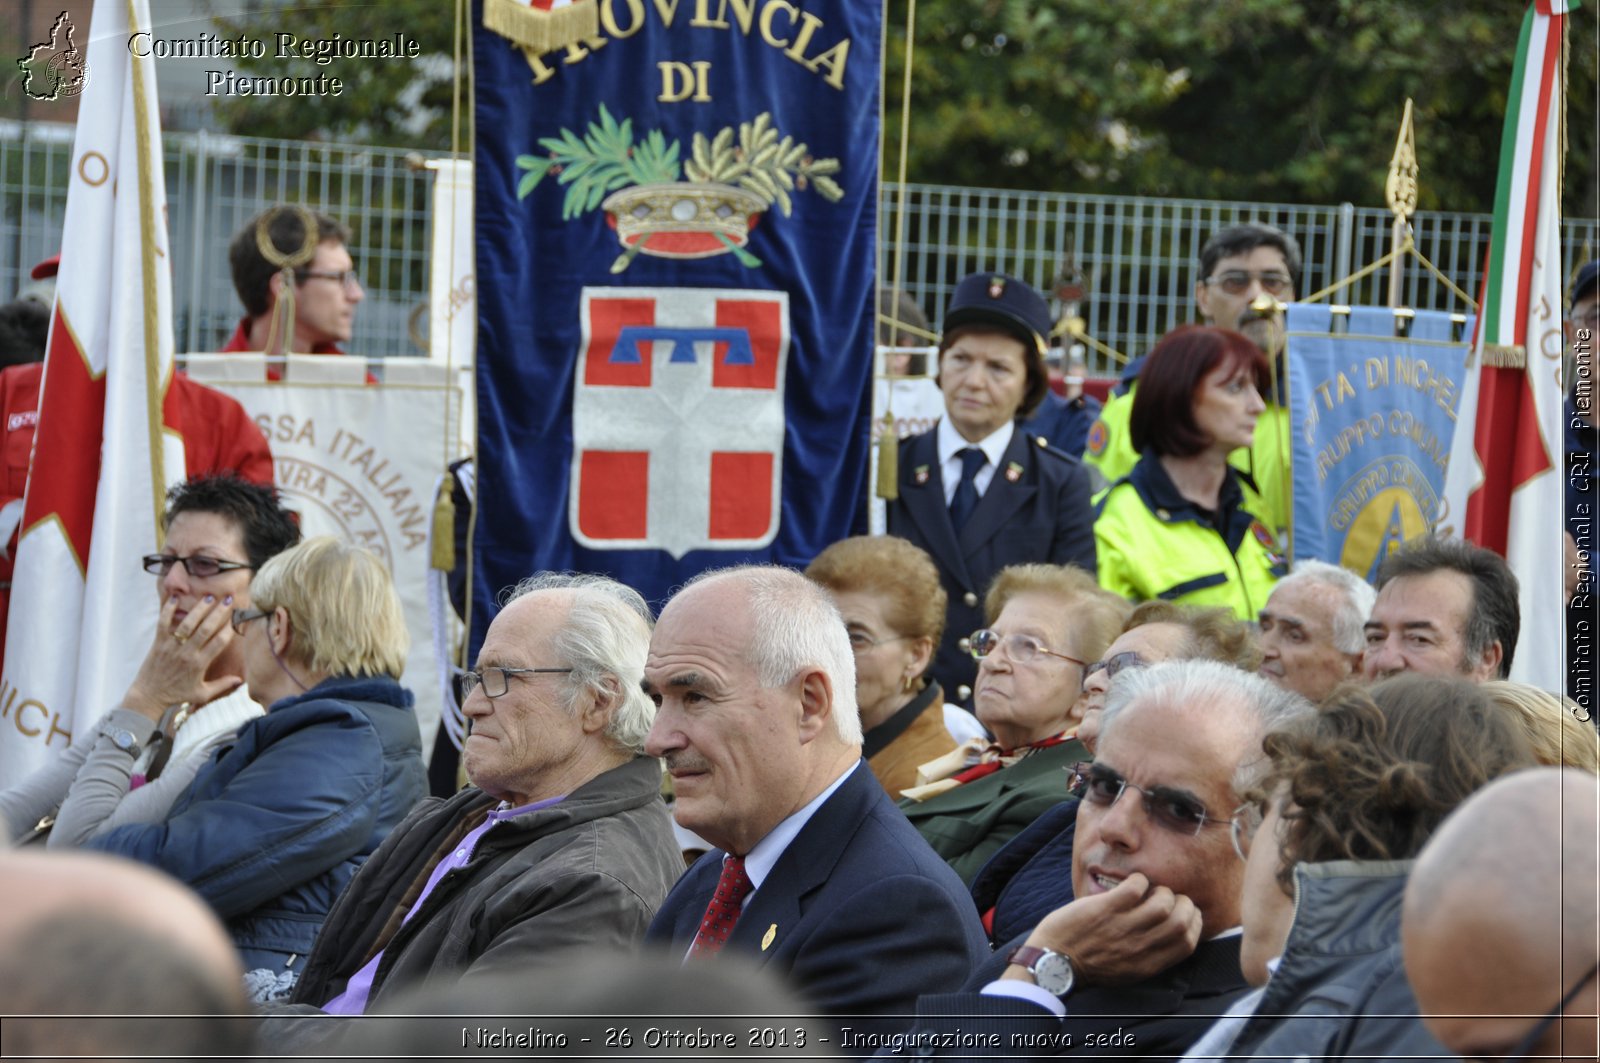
(274,827)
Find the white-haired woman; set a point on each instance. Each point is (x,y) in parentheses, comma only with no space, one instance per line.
(274,828)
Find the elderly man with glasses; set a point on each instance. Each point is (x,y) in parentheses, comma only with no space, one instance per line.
(561,841)
(1246,273)
(1148,954)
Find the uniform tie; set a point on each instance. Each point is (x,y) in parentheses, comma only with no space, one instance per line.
(723,911)
(966,497)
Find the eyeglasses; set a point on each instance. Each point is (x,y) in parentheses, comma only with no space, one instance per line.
(1020,648)
(1117,662)
(861,641)
(1177,812)
(1525,1047)
(1242,827)
(1237,281)
(199,566)
(241,617)
(349,277)
(496,681)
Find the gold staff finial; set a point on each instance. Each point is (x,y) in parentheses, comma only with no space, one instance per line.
(1401,191)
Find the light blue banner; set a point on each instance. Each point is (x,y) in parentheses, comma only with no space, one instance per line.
(1373,416)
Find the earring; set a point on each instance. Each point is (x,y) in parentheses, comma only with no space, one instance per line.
(908,684)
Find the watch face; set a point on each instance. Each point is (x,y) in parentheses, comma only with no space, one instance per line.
(1053,973)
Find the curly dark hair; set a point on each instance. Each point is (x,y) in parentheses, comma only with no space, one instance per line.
(265,526)
(1373,773)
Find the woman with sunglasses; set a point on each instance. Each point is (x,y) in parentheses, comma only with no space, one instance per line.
(188,696)
(1046,622)
(1328,839)
(274,827)
(1032,875)
(1179,527)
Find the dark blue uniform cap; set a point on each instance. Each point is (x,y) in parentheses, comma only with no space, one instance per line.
(1002,301)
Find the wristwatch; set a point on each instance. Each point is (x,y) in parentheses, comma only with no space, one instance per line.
(1050,969)
(124,740)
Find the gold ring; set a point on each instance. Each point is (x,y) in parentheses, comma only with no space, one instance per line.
(179,639)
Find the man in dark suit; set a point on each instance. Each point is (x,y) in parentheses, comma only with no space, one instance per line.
(1147,955)
(977,492)
(815,872)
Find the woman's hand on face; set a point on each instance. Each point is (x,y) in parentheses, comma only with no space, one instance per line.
(174,670)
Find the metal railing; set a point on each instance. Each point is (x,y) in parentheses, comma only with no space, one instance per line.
(1136,256)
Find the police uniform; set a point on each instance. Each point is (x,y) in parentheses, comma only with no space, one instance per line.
(1267,484)
(1035,509)
(1151,542)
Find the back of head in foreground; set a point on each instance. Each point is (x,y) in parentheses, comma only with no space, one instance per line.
(1500,922)
(85,936)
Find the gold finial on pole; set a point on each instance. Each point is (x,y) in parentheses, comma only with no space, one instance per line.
(1401,191)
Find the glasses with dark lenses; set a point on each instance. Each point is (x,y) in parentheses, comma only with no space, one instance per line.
(1020,648)
(1115,663)
(241,617)
(199,566)
(1177,812)
(1237,281)
(496,681)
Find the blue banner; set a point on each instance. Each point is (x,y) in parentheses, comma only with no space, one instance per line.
(675,235)
(1373,416)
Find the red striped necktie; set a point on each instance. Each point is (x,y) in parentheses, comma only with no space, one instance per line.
(723,911)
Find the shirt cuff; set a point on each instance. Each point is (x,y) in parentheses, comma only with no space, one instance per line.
(1028,991)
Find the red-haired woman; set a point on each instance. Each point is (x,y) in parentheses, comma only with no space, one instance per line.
(1176,527)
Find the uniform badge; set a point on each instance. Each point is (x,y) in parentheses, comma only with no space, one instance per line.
(919,475)
(1099,435)
(769,937)
(1268,541)
(997,287)
(1013,471)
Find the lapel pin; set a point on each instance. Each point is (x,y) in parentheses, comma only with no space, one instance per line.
(919,475)
(1013,471)
(769,937)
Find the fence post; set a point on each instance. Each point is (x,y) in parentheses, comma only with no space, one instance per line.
(1343,243)
(197,265)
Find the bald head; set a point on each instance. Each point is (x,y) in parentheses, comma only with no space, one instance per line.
(85,934)
(1500,916)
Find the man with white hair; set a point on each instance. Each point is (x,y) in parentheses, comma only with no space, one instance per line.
(1311,628)
(1147,955)
(816,873)
(561,841)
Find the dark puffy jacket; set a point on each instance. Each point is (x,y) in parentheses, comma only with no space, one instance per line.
(1340,990)
(273,829)
(1031,875)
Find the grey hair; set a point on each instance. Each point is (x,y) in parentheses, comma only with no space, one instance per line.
(1197,687)
(794,626)
(605,640)
(1356,598)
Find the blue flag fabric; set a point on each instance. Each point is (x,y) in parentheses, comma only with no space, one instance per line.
(675,239)
(1373,416)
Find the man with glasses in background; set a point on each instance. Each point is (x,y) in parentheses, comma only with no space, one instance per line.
(1148,954)
(1238,266)
(561,841)
(326,290)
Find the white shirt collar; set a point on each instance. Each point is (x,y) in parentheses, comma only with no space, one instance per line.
(758,863)
(993,445)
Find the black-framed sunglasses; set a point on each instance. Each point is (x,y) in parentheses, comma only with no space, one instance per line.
(1117,662)
(348,278)
(1020,648)
(1177,812)
(1237,281)
(496,681)
(241,617)
(1525,1047)
(198,565)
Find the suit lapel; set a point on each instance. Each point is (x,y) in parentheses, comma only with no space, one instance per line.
(1012,487)
(922,494)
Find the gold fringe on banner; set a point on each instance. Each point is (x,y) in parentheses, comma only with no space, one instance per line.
(889,460)
(539,29)
(1505,356)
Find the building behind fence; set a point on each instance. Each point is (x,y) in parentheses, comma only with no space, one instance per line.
(1134,258)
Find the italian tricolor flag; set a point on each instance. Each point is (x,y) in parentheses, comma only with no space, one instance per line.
(1505,476)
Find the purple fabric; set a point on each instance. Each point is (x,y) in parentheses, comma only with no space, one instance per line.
(353,1001)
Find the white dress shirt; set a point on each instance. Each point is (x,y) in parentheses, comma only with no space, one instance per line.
(950,447)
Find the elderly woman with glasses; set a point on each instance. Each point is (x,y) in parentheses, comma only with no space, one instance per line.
(188,697)
(1046,622)
(1031,877)
(273,829)
(1328,839)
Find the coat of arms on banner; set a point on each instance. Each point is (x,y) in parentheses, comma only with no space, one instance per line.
(677,418)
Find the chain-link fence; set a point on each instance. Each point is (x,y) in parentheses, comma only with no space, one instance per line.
(1133,259)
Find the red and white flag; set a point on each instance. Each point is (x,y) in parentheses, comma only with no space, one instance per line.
(1504,485)
(82,609)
